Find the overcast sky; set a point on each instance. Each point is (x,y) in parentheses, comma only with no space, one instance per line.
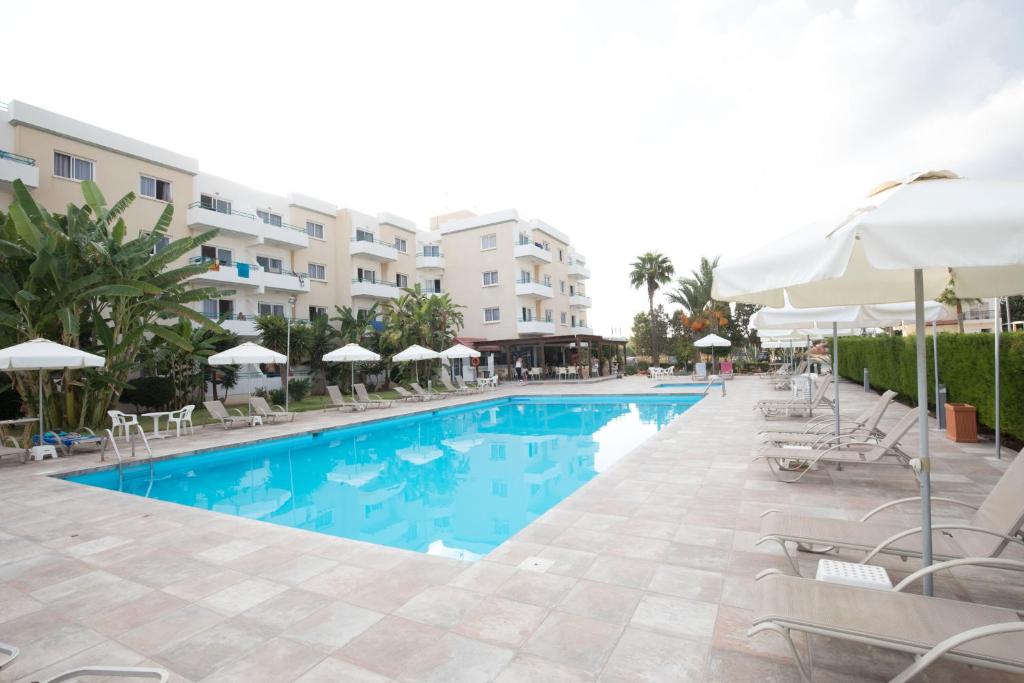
(690,128)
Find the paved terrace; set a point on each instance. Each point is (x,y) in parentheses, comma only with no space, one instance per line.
(652,577)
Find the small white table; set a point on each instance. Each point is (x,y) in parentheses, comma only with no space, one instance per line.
(157,434)
(854,574)
(255,420)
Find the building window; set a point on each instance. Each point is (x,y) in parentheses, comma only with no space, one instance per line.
(317,312)
(269,218)
(563,318)
(432,250)
(498,451)
(489,241)
(401,280)
(315,230)
(365,275)
(547,280)
(317,271)
(155,188)
(490,278)
(162,243)
(561,286)
(210,253)
(72,167)
(492,315)
(364,236)
(271,265)
(215,308)
(549,316)
(212,203)
(432,286)
(400,245)
(559,255)
(524,276)
(271,309)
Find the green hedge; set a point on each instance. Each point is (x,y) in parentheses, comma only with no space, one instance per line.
(966,368)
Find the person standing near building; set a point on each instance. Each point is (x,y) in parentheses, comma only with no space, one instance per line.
(519,369)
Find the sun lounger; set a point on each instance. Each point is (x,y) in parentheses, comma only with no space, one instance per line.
(700,372)
(826,424)
(797,405)
(927,627)
(995,524)
(339,401)
(10,446)
(427,395)
(217,411)
(264,410)
(452,388)
(467,388)
(369,400)
(8,653)
(801,459)
(725,369)
(822,434)
(69,442)
(406,395)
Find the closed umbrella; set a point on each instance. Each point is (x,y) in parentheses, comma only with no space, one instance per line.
(351,353)
(459,351)
(247,353)
(712,341)
(908,240)
(415,353)
(41,355)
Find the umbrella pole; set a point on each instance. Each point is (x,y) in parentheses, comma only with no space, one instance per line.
(352,378)
(922,430)
(935,358)
(41,407)
(999,435)
(835,372)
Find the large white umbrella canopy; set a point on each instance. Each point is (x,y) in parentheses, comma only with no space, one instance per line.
(247,353)
(351,353)
(415,353)
(846,318)
(460,351)
(908,240)
(712,340)
(42,354)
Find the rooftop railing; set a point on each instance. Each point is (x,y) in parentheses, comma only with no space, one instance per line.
(21,159)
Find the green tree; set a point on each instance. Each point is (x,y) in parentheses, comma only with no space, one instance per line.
(702,314)
(414,317)
(355,326)
(949,298)
(651,270)
(186,365)
(640,339)
(322,339)
(294,339)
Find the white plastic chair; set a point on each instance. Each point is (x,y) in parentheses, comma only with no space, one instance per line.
(122,421)
(182,418)
(573,371)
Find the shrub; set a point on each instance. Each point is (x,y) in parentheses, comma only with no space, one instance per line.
(276,396)
(154,393)
(966,368)
(299,389)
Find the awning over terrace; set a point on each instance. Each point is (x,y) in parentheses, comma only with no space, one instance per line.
(590,354)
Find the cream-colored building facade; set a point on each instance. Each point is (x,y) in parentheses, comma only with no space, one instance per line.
(295,255)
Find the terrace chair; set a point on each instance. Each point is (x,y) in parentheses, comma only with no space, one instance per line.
(451,387)
(926,627)
(8,653)
(822,433)
(572,371)
(870,451)
(181,419)
(427,395)
(700,372)
(268,412)
(339,401)
(217,411)
(796,405)
(995,524)
(467,388)
(406,395)
(368,400)
(122,421)
(725,369)
(825,424)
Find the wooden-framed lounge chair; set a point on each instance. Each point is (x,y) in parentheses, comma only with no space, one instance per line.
(927,627)
(872,450)
(268,412)
(798,405)
(339,401)
(405,395)
(420,391)
(467,388)
(8,653)
(217,411)
(370,400)
(996,523)
(826,424)
(822,434)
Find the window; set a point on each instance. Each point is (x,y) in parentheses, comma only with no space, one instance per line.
(401,280)
(364,275)
(269,218)
(315,230)
(499,489)
(432,250)
(561,286)
(549,316)
(492,315)
(490,278)
(574,321)
(498,451)
(271,265)
(559,255)
(572,290)
(489,242)
(221,256)
(526,314)
(317,271)
(271,309)
(155,188)
(400,245)
(563,318)
(215,308)
(364,236)
(71,167)
(547,280)
(317,311)
(432,286)
(212,203)
(524,276)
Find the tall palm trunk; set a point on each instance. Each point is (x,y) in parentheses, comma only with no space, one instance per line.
(654,337)
(960,316)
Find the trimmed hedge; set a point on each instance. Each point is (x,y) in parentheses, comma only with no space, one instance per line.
(966,368)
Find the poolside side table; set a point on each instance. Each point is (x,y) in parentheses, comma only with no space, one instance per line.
(157,434)
(854,574)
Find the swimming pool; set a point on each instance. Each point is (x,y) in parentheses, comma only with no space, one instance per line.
(686,385)
(455,481)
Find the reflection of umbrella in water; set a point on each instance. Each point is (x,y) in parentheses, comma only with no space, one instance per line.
(381,494)
(441,550)
(355,474)
(419,455)
(462,445)
(247,505)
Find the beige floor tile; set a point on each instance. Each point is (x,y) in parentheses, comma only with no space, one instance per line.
(526,669)
(603,601)
(622,571)
(676,616)
(443,606)
(456,659)
(333,670)
(483,577)
(683,582)
(577,642)
(242,596)
(501,621)
(536,588)
(642,657)
(389,645)
(276,660)
(332,626)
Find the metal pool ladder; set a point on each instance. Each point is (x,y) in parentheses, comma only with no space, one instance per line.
(120,463)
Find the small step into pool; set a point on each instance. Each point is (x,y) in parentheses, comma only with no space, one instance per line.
(454,482)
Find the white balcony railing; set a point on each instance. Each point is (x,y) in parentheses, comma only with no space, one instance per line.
(534,289)
(581,329)
(375,290)
(578,271)
(374,250)
(534,327)
(242,276)
(247,225)
(430,262)
(532,252)
(17,167)
(579,301)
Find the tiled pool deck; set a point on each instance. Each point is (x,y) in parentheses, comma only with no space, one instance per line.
(652,574)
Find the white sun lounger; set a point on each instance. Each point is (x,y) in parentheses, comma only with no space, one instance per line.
(825,424)
(368,400)
(264,410)
(8,653)
(339,401)
(217,411)
(797,405)
(822,433)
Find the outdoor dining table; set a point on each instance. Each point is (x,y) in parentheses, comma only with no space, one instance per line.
(157,434)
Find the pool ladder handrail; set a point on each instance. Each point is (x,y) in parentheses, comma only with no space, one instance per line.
(711,383)
(112,440)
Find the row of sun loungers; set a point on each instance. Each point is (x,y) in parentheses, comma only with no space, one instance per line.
(930,628)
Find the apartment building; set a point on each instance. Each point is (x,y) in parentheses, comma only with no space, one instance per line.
(299,256)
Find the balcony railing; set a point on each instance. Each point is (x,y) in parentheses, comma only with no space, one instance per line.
(19,158)
(244,214)
(523,242)
(375,282)
(375,241)
(227,264)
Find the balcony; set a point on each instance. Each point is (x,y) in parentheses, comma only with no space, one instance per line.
(578,271)
(243,328)
(581,328)
(375,250)
(285,281)
(231,273)
(247,225)
(429,262)
(375,290)
(531,252)
(579,301)
(535,327)
(17,167)
(534,289)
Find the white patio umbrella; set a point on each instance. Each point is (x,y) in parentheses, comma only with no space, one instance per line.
(459,351)
(908,240)
(41,355)
(351,353)
(713,341)
(247,353)
(415,353)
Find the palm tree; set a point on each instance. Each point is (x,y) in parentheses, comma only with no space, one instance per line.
(949,298)
(294,342)
(354,327)
(652,270)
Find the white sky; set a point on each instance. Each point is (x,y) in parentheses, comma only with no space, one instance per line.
(691,128)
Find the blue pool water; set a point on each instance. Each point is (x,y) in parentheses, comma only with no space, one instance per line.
(454,482)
